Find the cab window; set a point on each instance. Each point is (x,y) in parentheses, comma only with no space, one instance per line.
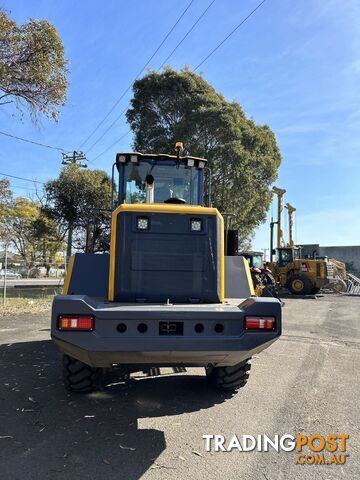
(170,181)
(285,256)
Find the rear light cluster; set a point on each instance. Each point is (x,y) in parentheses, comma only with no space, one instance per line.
(83,323)
(86,323)
(260,323)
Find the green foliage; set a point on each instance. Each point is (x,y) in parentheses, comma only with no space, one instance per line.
(33,69)
(34,236)
(243,156)
(5,199)
(48,239)
(75,198)
(18,226)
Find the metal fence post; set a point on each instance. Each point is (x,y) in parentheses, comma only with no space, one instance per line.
(5,274)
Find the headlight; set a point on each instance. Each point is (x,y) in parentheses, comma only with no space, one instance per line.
(143,223)
(196,225)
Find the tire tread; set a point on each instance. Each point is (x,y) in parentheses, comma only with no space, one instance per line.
(229,378)
(79,377)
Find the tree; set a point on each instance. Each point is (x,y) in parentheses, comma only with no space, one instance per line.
(74,199)
(33,69)
(243,156)
(6,199)
(48,240)
(33,235)
(18,225)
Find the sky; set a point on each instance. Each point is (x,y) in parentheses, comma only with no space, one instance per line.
(294,66)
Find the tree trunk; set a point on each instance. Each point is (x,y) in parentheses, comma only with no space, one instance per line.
(69,244)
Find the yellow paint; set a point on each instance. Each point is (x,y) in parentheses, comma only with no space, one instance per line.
(248,275)
(222,254)
(68,275)
(112,255)
(163,208)
(298,285)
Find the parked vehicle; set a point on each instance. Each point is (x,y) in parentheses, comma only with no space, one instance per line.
(10,274)
(262,277)
(301,276)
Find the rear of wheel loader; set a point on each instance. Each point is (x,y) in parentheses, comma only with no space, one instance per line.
(166,295)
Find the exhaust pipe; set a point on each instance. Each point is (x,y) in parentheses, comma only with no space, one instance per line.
(149,189)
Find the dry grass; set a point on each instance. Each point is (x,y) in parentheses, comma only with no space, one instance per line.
(15,306)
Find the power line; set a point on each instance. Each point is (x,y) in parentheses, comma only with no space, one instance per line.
(112,145)
(22,187)
(167,58)
(22,178)
(32,141)
(187,33)
(137,76)
(109,128)
(229,35)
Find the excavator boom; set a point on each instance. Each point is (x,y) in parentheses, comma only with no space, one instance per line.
(280,192)
(291,211)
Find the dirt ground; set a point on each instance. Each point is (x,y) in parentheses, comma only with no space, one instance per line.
(152,427)
(22,306)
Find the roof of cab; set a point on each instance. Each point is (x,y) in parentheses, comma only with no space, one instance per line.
(160,156)
(250,252)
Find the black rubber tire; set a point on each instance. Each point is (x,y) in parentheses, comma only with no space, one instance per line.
(315,290)
(229,378)
(307,284)
(79,377)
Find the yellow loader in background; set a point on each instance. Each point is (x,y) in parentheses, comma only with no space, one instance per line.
(301,276)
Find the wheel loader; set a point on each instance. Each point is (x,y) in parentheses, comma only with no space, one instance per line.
(166,295)
(301,276)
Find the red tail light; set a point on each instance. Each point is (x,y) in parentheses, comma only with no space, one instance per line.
(83,323)
(260,323)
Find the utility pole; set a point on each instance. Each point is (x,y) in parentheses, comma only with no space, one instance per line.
(5,272)
(272,223)
(75,158)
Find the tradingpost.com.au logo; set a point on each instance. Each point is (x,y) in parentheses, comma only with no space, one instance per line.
(312,449)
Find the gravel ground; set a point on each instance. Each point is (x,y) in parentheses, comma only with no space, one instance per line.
(22,306)
(152,427)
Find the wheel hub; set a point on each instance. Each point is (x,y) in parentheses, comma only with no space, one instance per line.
(298,285)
